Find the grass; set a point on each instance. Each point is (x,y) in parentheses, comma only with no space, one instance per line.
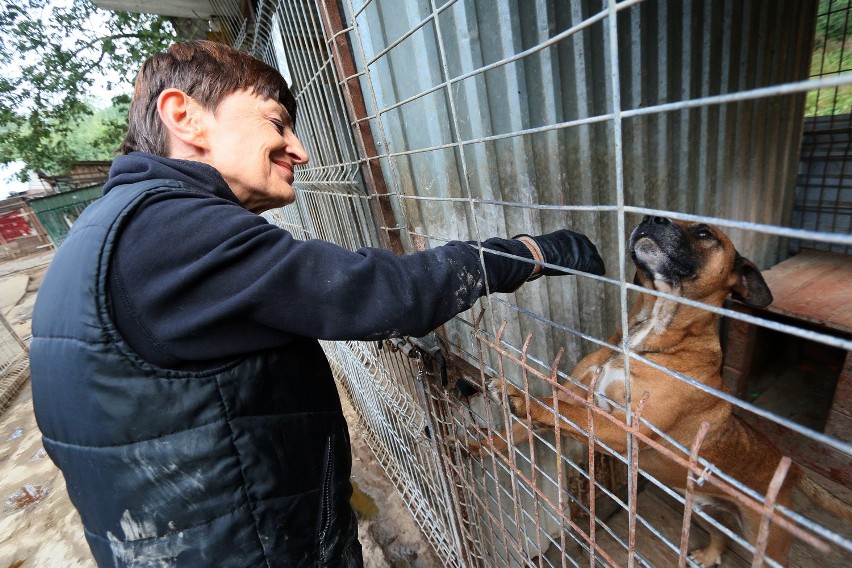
(830,58)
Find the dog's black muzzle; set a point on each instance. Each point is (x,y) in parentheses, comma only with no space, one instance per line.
(668,251)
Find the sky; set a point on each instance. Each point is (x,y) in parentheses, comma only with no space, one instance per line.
(7,184)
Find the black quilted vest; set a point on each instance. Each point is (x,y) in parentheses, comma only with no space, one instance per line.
(246,464)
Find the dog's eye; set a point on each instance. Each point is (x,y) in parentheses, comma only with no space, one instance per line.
(703,232)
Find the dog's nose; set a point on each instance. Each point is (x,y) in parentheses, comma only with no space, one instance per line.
(655,220)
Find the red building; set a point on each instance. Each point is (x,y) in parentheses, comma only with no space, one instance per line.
(13,225)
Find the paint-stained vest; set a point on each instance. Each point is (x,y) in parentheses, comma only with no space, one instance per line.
(243,465)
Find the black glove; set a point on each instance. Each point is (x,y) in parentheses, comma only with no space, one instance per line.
(565,248)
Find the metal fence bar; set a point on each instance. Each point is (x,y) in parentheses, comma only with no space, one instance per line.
(829,441)
(817,436)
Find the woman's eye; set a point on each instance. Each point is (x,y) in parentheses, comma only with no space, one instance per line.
(279,126)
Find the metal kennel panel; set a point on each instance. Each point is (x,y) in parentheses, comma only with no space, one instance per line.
(824,190)
(14,364)
(387,388)
(434,120)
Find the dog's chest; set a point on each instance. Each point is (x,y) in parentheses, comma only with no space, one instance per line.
(608,374)
(649,323)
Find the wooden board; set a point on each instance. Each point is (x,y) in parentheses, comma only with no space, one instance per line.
(666,515)
(814,286)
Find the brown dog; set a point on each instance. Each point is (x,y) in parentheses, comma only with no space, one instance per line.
(698,262)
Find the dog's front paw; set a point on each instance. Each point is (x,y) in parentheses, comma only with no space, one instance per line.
(475,448)
(516,398)
(485,447)
(706,557)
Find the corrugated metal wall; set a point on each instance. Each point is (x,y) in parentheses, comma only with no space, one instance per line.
(498,119)
(736,160)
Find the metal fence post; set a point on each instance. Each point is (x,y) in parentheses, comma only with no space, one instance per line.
(370,165)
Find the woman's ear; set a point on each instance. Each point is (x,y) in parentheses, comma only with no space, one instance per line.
(182,117)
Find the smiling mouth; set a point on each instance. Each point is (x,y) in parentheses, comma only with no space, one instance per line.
(287,167)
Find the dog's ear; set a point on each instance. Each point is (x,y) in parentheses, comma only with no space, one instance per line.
(640,278)
(751,288)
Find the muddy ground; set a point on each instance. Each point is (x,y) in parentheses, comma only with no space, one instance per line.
(39,527)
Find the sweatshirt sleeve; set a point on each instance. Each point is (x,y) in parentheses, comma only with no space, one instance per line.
(195,278)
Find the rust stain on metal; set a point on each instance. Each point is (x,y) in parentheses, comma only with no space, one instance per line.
(690,492)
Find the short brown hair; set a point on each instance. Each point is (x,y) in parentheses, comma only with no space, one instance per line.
(206,71)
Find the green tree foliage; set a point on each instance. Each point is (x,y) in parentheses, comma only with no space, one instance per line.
(52,54)
(833,20)
(95,136)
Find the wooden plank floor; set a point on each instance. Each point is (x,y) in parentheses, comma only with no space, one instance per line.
(666,516)
(813,286)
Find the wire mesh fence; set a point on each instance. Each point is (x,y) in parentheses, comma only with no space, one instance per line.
(14,364)
(430,121)
(824,189)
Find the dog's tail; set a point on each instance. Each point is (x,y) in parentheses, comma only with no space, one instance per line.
(822,497)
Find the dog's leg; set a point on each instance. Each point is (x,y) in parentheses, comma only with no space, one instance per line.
(555,414)
(498,442)
(520,432)
(778,545)
(711,555)
(724,512)
(744,521)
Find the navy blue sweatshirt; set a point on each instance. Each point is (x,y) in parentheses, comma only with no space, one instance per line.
(197,280)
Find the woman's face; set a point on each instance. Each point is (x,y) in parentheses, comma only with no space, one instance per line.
(250,140)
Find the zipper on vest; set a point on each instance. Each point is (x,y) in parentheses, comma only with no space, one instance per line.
(325,503)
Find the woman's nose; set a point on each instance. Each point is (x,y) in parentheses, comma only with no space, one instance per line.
(295,149)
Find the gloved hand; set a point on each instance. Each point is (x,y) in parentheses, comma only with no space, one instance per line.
(564,248)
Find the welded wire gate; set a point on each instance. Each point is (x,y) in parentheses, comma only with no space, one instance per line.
(434,120)
(14,364)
